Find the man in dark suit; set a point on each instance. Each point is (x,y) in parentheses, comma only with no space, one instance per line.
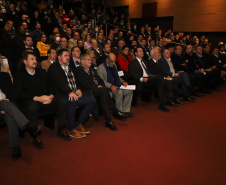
(196,76)
(75,58)
(92,85)
(36,96)
(140,72)
(107,50)
(211,72)
(145,49)
(28,44)
(13,117)
(181,76)
(67,88)
(171,84)
(97,51)
(221,65)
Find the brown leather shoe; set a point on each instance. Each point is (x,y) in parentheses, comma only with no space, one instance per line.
(82,130)
(76,134)
(64,135)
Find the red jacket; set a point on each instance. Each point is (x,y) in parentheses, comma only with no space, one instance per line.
(123,63)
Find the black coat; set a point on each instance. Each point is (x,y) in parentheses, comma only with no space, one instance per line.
(59,80)
(6,85)
(135,70)
(85,82)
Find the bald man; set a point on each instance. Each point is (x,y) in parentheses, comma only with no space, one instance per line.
(109,74)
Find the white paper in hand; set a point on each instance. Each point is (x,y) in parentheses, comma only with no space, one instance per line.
(128,87)
(5,62)
(120,73)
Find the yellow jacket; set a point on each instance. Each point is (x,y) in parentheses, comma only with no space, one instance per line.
(43,48)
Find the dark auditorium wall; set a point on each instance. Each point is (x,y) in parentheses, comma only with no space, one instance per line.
(189,15)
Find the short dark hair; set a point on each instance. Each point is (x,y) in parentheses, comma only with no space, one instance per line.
(26,54)
(60,52)
(63,38)
(142,40)
(197,46)
(73,48)
(27,37)
(49,51)
(135,49)
(204,45)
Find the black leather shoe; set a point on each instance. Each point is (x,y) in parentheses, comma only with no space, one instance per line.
(38,143)
(217,89)
(192,97)
(16,153)
(163,108)
(34,131)
(198,94)
(64,135)
(128,114)
(111,126)
(188,99)
(119,115)
(177,101)
(172,104)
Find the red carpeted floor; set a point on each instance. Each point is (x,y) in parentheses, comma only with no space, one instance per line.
(184,147)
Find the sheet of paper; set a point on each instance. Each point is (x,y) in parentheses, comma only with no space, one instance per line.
(120,73)
(5,62)
(128,87)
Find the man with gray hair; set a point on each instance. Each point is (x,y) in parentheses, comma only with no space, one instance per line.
(92,85)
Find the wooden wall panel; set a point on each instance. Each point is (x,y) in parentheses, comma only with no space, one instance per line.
(189,15)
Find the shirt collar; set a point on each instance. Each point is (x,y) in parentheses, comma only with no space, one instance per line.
(155,61)
(139,60)
(64,68)
(32,74)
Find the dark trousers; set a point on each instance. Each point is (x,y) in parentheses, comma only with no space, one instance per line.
(33,109)
(172,88)
(105,101)
(85,102)
(197,80)
(153,83)
(213,78)
(183,80)
(15,120)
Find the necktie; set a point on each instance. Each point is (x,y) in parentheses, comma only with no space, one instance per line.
(91,73)
(146,70)
(171,67)
(77,63)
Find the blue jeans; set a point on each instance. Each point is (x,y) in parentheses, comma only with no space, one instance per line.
(87,103)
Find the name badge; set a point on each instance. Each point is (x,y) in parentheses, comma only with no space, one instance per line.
(120,73)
